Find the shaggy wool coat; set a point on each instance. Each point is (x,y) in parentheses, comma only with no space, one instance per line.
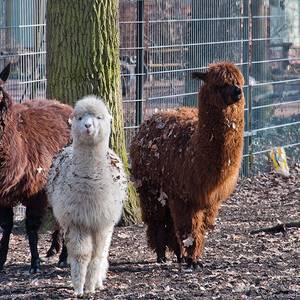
(87,188)
(31,133)
(186,161)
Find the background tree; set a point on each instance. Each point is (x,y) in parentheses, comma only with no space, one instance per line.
(82,59)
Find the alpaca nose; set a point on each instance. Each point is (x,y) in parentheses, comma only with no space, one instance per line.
(237,93)
(87,125)
(237,90)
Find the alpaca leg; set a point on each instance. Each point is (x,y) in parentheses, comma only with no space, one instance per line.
(80,248)
(6,223)
(93,275)
(35,211)
(98,265)
(195,250)
(103,244)
(171,236)
(55,244)
(190,232)
(211,215)
(63,257)
(155,215)
(157,239)
(173,245)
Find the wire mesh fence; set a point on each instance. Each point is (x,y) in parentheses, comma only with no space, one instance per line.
(162,41)
(179,36)
(22,40)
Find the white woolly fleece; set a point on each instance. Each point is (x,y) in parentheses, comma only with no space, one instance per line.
(87,188)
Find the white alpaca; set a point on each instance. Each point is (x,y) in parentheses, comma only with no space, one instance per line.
(87,187)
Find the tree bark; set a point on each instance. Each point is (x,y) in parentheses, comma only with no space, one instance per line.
(83,59)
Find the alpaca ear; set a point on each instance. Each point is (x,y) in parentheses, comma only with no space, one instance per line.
(4,74)
(110,118)
(199,75)
(72,115)
(5,102)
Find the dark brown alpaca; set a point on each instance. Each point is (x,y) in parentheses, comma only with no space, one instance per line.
(31,133)
(186,162)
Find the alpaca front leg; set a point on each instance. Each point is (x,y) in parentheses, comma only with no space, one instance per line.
(55,244)
(157,239)
(104,256)
(194,243)
(190,232)
(33,224)
(35,210)
(211,215)
(79,264)
(79,246)
(6,223)
(156,215)
(92,276)
(63,257)
(99,265)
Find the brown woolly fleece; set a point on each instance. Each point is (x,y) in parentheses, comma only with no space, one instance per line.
(31,133)
(186,162)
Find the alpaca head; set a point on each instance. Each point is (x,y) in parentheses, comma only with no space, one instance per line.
(223,80)
(5,100)
(91,122)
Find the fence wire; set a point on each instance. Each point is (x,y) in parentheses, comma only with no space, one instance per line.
(179,36)
(162,41)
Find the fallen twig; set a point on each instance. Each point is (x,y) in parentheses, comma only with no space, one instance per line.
(277,228)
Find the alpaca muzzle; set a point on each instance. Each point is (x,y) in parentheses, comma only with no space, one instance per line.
(237,94)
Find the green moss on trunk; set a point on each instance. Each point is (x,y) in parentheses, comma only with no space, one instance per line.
(83,59)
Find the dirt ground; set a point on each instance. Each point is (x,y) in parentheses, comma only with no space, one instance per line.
(236,265)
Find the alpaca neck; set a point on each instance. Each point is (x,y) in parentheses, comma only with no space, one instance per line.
(218,140)
(88,158)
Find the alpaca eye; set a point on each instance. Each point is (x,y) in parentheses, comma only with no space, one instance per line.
(80,118)
(99,117)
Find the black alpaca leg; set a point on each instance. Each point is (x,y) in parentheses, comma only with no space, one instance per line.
(33,224)
(6,223)
(190,263)
(34,213)
(161,244)
(63,256)
(178,254)
(55,244)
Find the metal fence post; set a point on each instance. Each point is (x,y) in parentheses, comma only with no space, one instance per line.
(139,62)
(245,69)
(250,88)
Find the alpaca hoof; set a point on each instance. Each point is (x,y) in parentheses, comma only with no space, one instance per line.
(35,267)
(35,270)
(50,253)
(78,293)
(179,259)
(62,264)
(187,270)
(193,265)
(99,285)
(89,292)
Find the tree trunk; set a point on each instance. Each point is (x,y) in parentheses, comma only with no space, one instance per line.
(83,59)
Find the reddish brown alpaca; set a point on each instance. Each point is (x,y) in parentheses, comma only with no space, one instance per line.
(186,162)
(31,133)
